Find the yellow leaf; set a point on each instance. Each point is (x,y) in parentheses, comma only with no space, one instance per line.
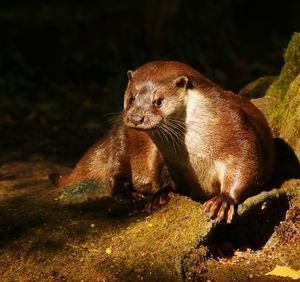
(108,251)
(285,271)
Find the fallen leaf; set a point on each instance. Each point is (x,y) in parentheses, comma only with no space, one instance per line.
(285,271)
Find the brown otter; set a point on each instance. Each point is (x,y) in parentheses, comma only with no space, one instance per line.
(217,145)
(129,165)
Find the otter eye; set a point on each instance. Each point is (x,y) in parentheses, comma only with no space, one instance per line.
(158,103)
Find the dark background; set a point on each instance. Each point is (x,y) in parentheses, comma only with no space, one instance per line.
(63,63)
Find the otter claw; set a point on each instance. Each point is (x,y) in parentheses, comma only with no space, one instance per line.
(125,194)
(220,207)
(136,196)
(159,199)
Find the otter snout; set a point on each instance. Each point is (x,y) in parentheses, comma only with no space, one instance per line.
(137,119)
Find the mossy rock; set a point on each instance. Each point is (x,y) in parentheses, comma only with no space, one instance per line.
(290,122)
(285,117)
(266,104)
(83,192)
(164,246)
(281,104)
(289,71)
(257,88)
(152,249)
(279,88)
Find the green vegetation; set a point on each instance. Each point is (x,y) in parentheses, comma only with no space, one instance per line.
(281,103)
(257,88)
(280,87)
(289,71)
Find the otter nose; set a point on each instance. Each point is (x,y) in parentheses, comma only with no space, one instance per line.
(137,119)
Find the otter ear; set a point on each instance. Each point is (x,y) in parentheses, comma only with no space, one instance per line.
(182,82)
(129,75)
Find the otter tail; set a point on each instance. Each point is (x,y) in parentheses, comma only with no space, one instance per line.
(58,179)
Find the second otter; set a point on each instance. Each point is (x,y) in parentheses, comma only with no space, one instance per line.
(217,145)
(128,164)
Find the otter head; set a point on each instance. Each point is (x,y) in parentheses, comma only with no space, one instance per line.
(155,93)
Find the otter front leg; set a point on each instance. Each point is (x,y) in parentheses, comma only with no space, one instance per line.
(220,207)
(122,191)
(235,187)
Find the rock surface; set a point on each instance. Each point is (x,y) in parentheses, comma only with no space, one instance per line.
(257,88)
(281,101)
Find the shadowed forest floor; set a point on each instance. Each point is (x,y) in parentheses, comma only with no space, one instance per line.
(41,240)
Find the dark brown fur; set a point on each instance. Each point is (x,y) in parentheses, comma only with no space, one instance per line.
(217,145)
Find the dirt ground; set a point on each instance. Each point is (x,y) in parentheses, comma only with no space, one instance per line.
(42,240)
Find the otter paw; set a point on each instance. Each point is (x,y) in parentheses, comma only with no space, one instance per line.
(137,196)
(128,198)
(125,194)
(220,207)
(159,199)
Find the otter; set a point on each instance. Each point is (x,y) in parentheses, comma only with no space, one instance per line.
(217,145)
(129,165)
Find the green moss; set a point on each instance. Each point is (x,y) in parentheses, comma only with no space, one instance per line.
(153,247)
(266,105)
(194,258)
(82,192)
(274,118)
(257,88)
(292,188)
(290,69)
(284,118)
(290,121)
